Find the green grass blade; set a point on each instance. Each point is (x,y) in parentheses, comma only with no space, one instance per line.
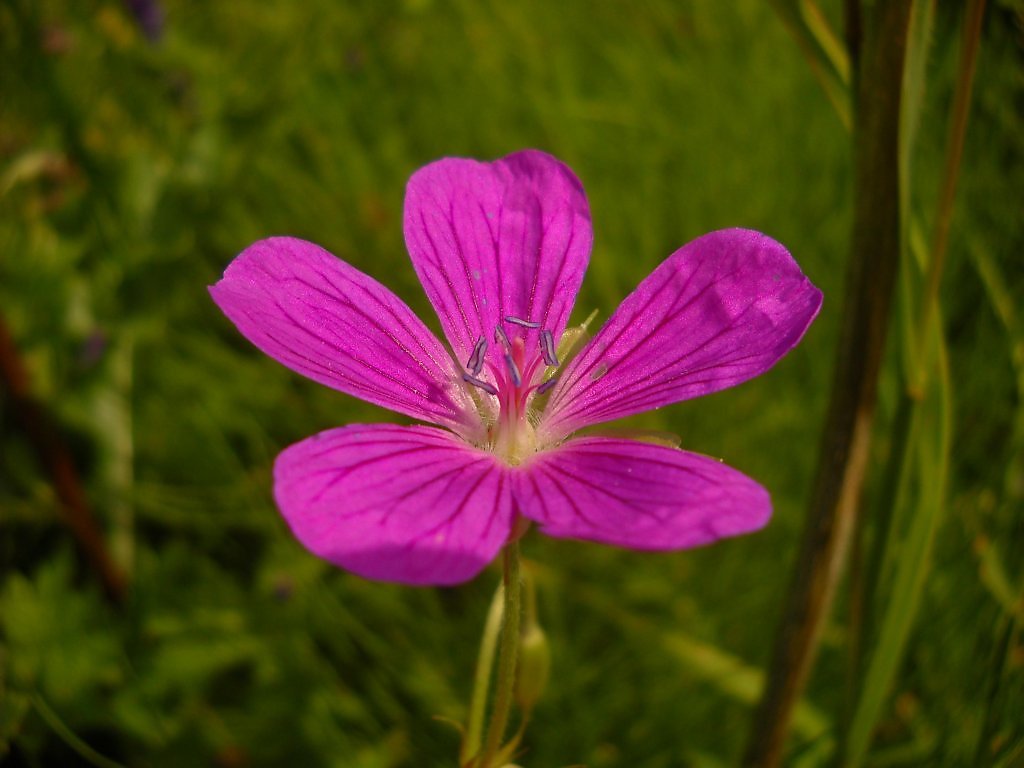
(738,680)
(922,510)
(995,576)
(824,52)
(69,737)
(913,494)
(827,40)
(922,21)
(915,247)
(726,672)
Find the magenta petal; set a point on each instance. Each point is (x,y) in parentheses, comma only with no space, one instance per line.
(413,505)
(638,495)
(327,320)
(490,240)
(720,310)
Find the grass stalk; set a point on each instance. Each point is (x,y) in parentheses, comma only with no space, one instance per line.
(870,279)
(951,171)
(928,472)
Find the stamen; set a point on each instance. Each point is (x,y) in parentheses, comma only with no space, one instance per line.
(502,338)
(476,360)
(488,388)
(521,322)
(513,370)
(546,386)
(547,347)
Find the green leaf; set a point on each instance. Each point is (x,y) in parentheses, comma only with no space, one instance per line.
(60,640)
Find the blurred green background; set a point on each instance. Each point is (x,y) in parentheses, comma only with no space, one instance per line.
(133,168)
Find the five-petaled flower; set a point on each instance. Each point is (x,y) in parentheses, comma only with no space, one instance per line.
(501,249)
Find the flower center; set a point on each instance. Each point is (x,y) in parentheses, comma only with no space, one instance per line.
(516,377)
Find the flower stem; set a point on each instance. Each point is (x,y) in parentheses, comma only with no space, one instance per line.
(482,679)
(507,655)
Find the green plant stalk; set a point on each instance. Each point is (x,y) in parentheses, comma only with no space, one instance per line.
(892,483)
(1005,584)
(879,557)
(827,40)
(507,655)
(112,410)
(69,737)
(929,451)
(882,663)
(825,56)
(954,155)
(874,557)
(872,269)
(999,674)
(995,577)
(865,567)
(532,666)
(482,678)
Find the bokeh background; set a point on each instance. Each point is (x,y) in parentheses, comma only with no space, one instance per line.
(143,145)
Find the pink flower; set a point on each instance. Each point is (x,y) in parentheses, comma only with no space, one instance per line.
(501,249)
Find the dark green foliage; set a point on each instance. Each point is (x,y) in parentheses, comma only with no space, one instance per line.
(130,175)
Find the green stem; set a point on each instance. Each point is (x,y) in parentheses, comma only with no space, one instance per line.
(914,380)
(843,458)
(954,154)
(999,673)
(507,656)
(69,737)
(892,477)
(482,679)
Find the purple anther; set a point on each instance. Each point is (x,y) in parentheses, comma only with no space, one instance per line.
(471,379)
(546,386)
(476,360)
(513,370)
(502,338)
(521,322)
(547,347)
